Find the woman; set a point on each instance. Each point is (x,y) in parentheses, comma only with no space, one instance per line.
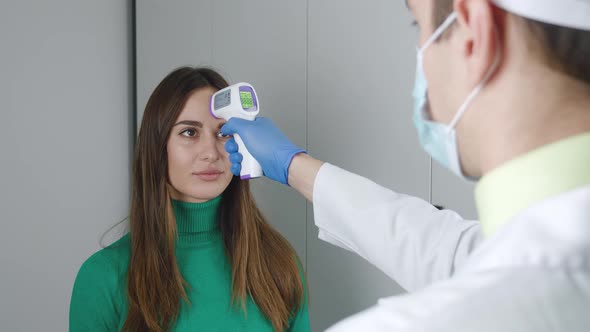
(199,255)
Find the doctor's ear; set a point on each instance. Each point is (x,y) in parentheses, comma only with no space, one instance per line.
(479,26)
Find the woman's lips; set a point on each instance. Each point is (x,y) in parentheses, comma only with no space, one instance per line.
(208,175)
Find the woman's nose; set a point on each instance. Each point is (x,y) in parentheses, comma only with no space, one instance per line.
(209,151)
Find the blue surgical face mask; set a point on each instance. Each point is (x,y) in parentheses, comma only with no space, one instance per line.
(439,140)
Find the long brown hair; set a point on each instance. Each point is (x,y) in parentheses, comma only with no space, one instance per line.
(264,265)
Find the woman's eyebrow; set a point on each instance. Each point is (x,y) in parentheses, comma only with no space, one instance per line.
(190,123)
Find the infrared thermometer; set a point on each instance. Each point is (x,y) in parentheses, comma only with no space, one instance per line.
(239,101)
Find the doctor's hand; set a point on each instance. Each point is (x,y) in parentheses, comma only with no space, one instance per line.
(267,144)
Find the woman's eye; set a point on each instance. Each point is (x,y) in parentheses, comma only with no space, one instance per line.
(221,135)
(189,133)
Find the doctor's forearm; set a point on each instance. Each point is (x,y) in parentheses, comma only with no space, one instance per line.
(302,174)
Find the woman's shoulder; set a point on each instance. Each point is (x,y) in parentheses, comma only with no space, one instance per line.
(109,261)
(121,247)
(97,297)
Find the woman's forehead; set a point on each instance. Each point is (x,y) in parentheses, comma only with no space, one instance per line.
(197,107)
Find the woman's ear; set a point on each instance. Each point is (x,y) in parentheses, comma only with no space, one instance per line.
(479,37)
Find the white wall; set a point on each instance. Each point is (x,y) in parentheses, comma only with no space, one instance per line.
(65,138)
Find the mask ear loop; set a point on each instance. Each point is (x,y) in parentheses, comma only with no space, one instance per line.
(438,32)
(479,87)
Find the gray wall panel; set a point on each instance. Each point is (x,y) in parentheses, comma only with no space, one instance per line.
(361,65)
(169,34)
(65,137)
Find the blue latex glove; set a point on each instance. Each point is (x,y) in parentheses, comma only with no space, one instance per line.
(267,144)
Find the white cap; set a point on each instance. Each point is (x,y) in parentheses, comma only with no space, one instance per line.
(566,13)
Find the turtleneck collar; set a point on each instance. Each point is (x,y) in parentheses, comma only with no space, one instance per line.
(197,223)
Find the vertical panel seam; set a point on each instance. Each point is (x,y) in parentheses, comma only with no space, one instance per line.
(307,204)
(134,104)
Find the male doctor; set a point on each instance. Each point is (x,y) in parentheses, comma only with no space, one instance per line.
(502,93)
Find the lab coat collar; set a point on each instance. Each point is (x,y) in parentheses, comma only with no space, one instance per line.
(529,179)
(554,233)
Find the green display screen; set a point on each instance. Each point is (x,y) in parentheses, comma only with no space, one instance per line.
(246,98)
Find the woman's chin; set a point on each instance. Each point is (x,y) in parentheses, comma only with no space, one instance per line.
(200,191)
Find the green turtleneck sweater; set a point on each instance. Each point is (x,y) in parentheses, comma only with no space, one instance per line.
(99,301)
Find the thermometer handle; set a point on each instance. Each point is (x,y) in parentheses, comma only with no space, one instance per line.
(250,167)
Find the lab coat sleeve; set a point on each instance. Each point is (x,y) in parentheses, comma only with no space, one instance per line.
(406,237)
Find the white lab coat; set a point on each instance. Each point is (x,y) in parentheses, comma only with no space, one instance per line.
(532,275)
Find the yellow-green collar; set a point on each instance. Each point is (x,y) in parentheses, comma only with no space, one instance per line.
(550,170)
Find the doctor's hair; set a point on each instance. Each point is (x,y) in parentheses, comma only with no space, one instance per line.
(564,49)
(263,264)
